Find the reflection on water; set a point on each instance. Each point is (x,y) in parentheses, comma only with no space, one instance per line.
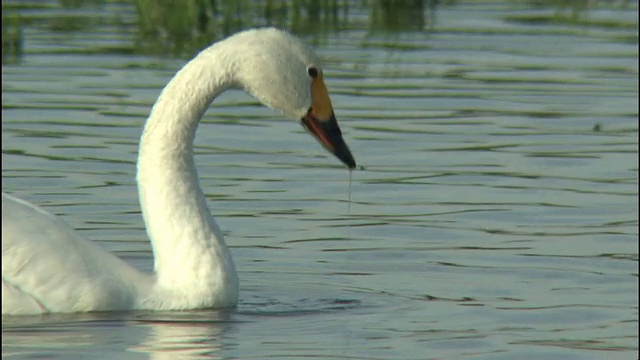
(193,334)
(158,335)
(496,216)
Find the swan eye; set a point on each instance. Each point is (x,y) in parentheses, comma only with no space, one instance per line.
(313,72)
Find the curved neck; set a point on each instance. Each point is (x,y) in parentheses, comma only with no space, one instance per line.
(191,257)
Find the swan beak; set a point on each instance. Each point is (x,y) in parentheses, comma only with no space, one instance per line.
(328,133)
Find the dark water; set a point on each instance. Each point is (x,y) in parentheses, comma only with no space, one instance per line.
(496,216)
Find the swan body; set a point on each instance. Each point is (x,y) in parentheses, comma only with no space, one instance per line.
(48,267)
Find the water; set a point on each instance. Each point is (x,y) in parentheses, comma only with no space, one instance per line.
(496,216)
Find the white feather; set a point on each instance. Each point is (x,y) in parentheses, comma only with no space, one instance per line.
(48,267)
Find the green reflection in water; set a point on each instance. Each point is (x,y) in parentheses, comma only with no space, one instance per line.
(12,39)
(188,25)
(180,28)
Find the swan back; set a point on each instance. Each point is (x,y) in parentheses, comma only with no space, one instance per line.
(49,267)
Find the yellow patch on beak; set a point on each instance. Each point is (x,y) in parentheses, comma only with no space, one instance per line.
(320,102)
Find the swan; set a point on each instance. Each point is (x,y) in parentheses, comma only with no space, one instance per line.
(47,267)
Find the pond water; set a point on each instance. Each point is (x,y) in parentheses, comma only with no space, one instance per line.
(495,217)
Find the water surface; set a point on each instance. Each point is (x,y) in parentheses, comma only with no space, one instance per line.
(496,216)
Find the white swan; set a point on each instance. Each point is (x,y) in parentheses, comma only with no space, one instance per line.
(48,267)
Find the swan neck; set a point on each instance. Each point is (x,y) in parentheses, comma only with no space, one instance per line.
(191,256)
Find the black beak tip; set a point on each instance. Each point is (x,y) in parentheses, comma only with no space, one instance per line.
(344,154)
(329,135)
(351,163)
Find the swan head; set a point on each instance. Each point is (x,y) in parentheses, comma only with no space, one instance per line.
(285,74)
